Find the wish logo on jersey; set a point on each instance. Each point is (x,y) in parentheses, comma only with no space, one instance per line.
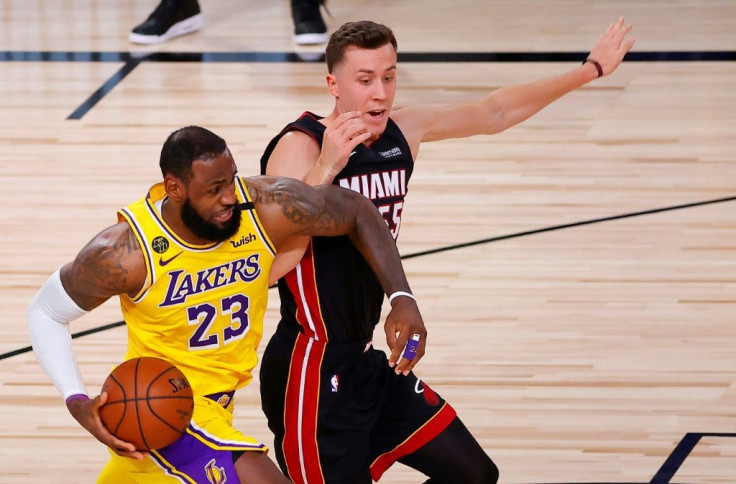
(182,285)
(243,240)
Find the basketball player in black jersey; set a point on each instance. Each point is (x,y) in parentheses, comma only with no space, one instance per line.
(341,412)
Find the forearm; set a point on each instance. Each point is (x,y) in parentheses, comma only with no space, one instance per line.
(515,104)
(373,240)
(289,208)
(342,135)
(320,174)
(48,317)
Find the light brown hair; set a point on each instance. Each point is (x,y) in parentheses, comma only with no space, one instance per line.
(364,34)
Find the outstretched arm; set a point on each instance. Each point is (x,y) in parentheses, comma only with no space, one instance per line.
(508,106)
(289,208)
(110,264)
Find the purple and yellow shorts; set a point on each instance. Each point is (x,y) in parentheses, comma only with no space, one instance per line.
(203,454)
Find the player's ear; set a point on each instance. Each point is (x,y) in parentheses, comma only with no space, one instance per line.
(332,85)
(175,188)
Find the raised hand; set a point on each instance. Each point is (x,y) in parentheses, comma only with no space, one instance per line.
(340,139)
(611,47)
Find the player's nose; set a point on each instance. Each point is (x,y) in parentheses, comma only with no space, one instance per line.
(379,91)
(228,197)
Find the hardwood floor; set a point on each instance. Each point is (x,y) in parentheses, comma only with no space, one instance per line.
(579,278)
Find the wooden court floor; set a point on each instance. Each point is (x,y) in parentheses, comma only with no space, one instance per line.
(577,273)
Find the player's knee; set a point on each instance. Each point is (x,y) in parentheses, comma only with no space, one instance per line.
(491,473)
(487,473)
(484,474)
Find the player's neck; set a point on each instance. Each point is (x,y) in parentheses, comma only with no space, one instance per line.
(327,120)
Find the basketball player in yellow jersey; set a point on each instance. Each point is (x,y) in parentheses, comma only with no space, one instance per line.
(192,262)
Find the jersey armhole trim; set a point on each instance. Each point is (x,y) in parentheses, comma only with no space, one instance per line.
(147,256)
(243,190)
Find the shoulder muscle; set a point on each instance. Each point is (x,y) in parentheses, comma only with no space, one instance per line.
(110,264)
(294,156)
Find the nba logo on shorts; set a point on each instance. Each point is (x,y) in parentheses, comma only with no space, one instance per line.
(334,383)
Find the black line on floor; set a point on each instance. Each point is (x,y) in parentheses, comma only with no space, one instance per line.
(99,329)
(132,59)
(108,86)
(287,57)
(463,245)
(566,226)
(681,452)
(676,459)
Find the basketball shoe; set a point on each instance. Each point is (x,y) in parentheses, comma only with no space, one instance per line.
(171,18)
(309,27)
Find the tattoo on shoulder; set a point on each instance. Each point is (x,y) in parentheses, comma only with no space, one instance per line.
(321,218)
(296,210)
(104,265)
(128,242)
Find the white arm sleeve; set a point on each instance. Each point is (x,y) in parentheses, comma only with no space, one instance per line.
(48,318)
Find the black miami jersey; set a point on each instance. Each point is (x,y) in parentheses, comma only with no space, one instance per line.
(333,295)
(330,397)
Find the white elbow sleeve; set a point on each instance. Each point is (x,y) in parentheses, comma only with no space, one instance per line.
(49,313)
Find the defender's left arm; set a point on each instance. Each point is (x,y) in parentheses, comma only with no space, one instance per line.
(508,106)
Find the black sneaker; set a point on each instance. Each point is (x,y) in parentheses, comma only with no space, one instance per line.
(309,28)
(171,18)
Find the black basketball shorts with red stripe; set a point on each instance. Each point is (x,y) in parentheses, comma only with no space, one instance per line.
(339,413)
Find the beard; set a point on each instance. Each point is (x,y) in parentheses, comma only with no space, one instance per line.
(207,230)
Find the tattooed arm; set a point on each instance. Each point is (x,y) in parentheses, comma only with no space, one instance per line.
(112,263)
(288,208)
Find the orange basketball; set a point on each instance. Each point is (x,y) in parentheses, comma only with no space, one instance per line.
(149,403)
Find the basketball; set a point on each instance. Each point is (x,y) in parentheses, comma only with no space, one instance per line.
(149,403)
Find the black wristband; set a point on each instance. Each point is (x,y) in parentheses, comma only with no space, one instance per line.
(596,64)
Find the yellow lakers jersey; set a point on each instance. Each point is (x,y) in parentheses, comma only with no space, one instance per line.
(201,307)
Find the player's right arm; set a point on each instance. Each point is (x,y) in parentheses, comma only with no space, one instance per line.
(288,208)
(297,155)
(110,264)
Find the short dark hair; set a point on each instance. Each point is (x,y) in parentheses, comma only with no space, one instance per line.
(364,34)
(186,145)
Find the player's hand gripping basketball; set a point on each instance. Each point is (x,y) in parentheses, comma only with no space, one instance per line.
(611,48)
(87,413)
(340,139)
(405,321)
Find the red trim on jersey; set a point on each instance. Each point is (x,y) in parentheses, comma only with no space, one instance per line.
(302,130)
(307,306)
(294,127)
(307,114)
(424,434)
(301,454)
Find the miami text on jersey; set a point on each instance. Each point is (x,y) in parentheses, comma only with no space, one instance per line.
(376,186)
